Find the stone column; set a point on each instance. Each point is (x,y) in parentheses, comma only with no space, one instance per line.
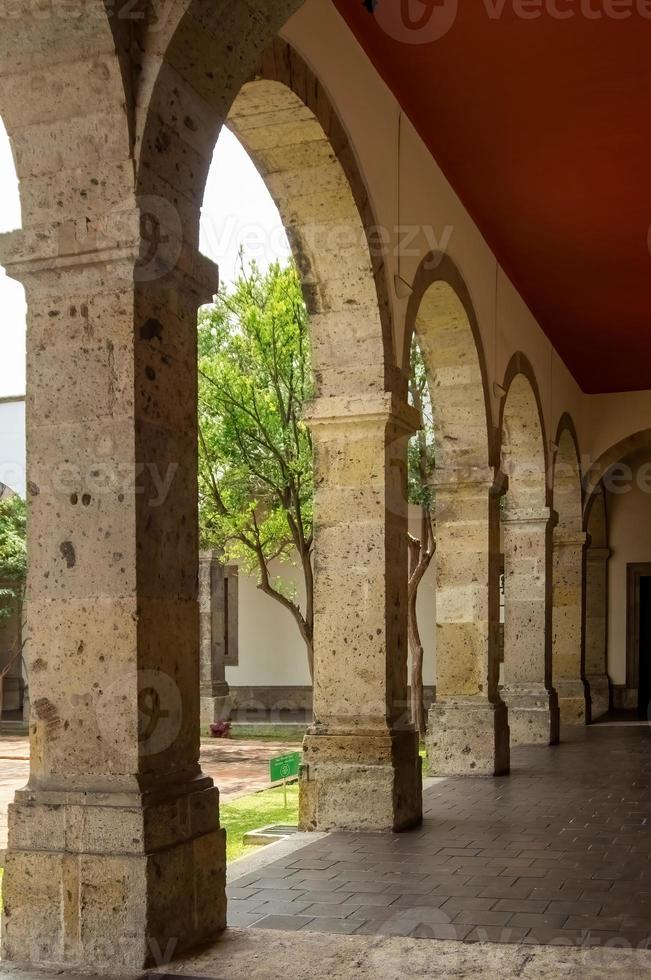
(567,624)
(468,730)
(115,856)
(596,631)
(532,702)
(215,698)
(361,767)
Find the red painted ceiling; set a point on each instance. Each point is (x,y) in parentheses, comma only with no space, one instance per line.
(543,128)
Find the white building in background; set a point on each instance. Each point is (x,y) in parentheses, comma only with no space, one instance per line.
(272,673)
(12,443)
(12,481)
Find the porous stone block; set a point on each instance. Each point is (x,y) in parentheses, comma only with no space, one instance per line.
(360,782)
(571,701)
(533,716)
(468,737)
(112,882)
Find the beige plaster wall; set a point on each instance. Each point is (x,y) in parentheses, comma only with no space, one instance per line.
(630,541)
(614,417)
(373,120)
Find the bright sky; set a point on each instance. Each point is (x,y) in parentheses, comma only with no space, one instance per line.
(237,208)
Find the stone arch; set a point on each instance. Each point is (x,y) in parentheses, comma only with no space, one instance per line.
(6,149)
(286,123)
(526,537)
(596,518)
(283,117)
(442,317)
(567,485)
(113,322)
(625,447)
(597,556)
(523,442)
(440,314)
(67,103)
(220,66)
(568,543)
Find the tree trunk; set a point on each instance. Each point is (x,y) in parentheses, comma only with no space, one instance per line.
(417,694)
(421,554)
(310,658)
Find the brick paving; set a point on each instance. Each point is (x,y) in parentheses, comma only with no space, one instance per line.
(559,852)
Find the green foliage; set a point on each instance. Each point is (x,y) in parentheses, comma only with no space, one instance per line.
(255,479)
(13,552)
(420,453)
(252,812)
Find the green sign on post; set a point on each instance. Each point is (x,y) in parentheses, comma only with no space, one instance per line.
(284,767)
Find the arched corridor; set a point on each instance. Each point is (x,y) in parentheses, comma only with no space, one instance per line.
(568,545)
(468,728)
(115,850)
(527,528)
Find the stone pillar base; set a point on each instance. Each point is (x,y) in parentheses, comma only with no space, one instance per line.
(534,717)
(571,702)
(214,709)
(468,737)
(360,781)
(598,696)
(113,880)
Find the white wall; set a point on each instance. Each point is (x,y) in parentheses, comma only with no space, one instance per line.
(630,541)
(12,444)
(272,653)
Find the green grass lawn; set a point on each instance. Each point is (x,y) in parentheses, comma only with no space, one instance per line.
(255,811)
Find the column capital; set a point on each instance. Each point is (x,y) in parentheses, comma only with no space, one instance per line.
(381,408)
(530,516)
(472,477)
(140,246)
(597,554)
(569,538)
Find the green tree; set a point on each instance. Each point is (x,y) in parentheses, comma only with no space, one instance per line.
(13,553)
(422,547)
(255,474)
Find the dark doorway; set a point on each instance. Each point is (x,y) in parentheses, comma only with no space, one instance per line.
(638,637)
(644,614)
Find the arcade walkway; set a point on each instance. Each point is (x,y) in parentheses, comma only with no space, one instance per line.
(559,852)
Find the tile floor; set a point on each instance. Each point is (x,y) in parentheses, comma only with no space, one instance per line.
(557,852)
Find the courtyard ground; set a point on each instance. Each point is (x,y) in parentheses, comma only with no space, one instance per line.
(541,874)
(238,766)
(559,852)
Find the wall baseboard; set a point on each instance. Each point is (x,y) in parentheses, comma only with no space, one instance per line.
(287,699)
(624,698)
